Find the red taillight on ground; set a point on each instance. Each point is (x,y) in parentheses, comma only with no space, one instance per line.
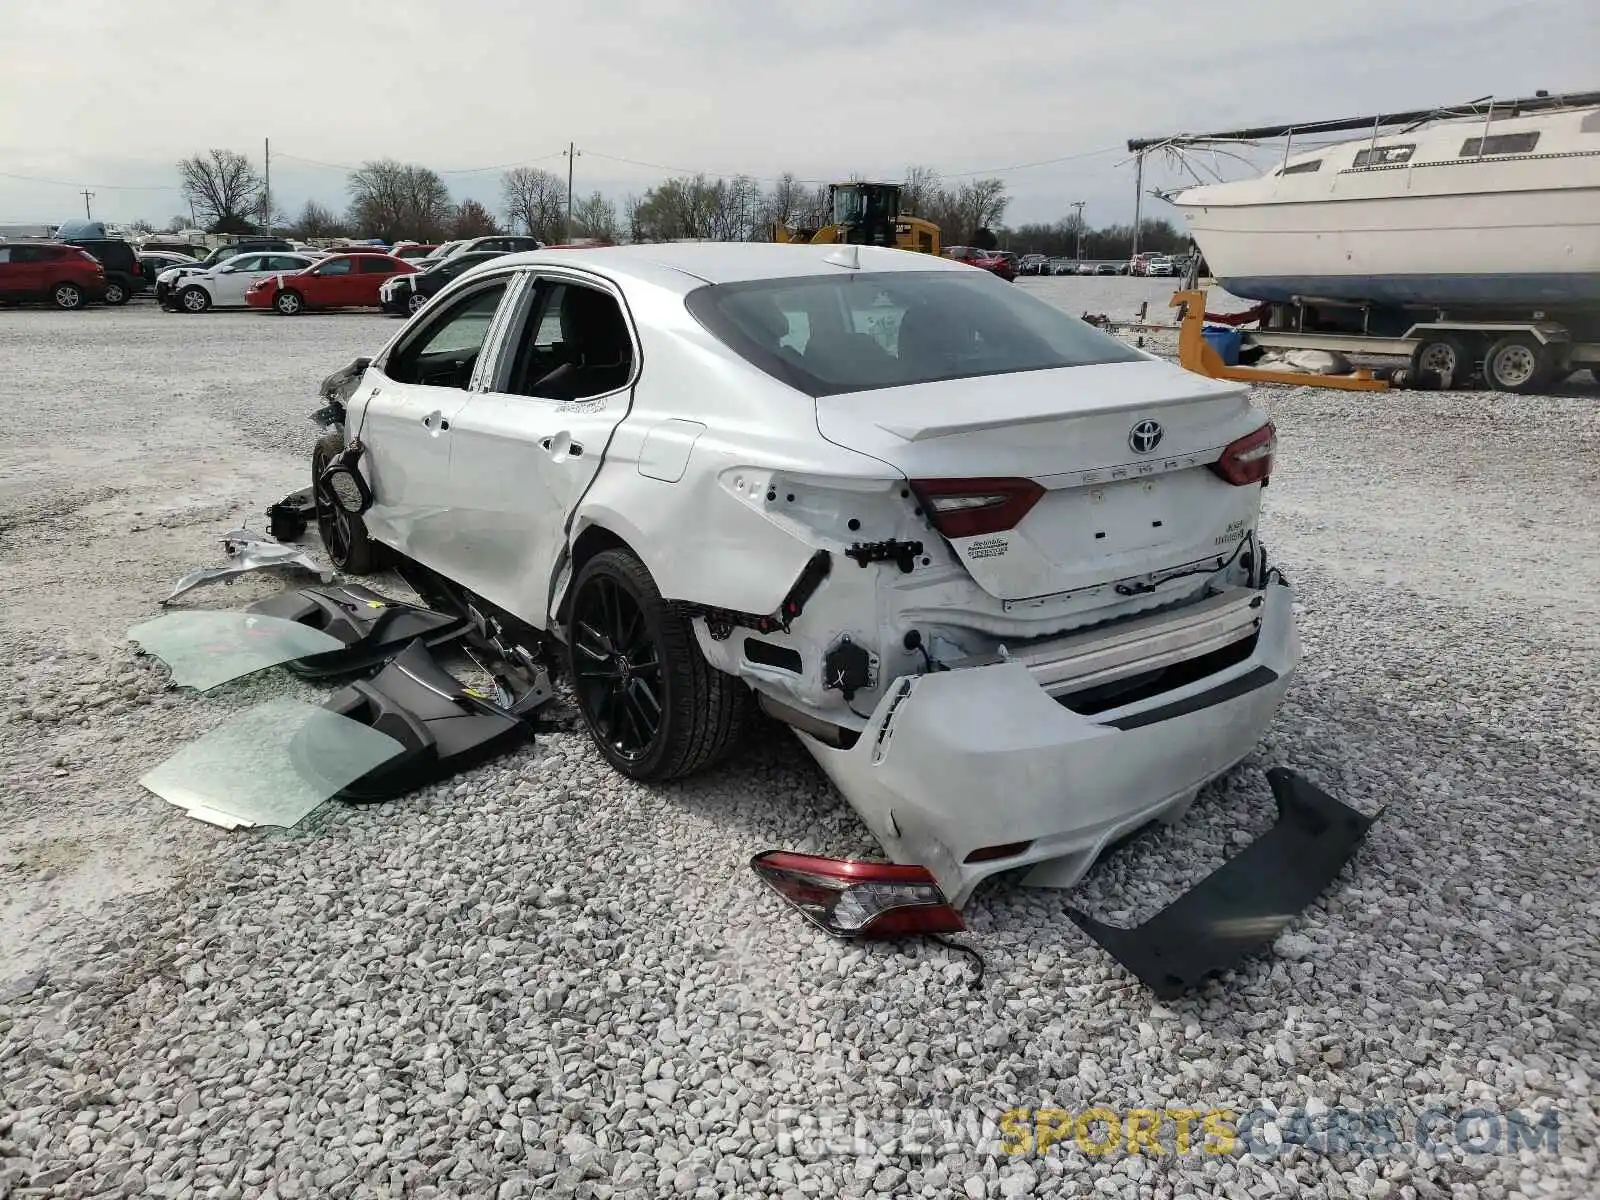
(1249,460)
(961,508)
(851,899)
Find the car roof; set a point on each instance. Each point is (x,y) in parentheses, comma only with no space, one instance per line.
(694,263)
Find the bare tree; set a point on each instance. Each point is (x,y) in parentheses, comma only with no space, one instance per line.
(535,200)
(223,187)
(177,223)
(392,200)
(595,217)
(473,220)
(317,221)
(919,190)
(733,208)
(142,226)
(785,203)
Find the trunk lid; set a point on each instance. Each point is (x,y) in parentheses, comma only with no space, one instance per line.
(1114,507)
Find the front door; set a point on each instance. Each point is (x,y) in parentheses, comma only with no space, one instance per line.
(233,279)
(404,413)
(529,444)
(332,283)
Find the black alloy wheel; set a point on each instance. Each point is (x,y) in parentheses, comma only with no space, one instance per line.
(616,668)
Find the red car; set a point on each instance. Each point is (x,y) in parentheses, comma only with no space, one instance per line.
(991,261)
(61,274)
(339,281)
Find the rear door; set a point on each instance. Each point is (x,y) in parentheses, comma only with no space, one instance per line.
(17,276)
(528,446)
(405,411)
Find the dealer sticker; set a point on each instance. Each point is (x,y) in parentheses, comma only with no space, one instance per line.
(988,548)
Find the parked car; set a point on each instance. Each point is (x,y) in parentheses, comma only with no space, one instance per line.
(412,251)
(124,276)
(166,282)
(225,285)
(1061,266)
(626,452)
(1160,264)
(990,260)
(153,262)
(509,243)
(1033,264)
(338,281)
(1111,269)
(404,294)
(159,245)
(52,272)
(445,251)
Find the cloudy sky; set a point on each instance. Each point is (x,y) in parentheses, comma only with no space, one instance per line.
(109,94)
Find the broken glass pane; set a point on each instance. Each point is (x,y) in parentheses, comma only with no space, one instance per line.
(270,765)
(205,648)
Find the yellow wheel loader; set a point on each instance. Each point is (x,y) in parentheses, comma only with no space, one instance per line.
(866,214)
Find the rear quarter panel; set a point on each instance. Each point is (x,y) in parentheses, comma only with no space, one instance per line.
(707,537)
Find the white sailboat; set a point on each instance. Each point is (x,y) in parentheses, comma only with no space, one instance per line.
(1496,210)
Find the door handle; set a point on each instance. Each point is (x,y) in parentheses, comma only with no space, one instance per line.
(436,419)
(561,445)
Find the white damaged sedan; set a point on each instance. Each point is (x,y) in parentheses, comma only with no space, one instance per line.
(998,570)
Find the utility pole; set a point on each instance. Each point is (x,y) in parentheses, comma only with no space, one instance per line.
(1077,224)
(1138,199)
(87,215)
(266,187)
(571,152)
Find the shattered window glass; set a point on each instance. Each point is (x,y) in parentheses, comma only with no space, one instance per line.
(270,765)
(205,648)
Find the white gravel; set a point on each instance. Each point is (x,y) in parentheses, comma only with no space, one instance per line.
(539,980)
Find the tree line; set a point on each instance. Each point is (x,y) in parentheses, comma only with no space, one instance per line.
(390,200)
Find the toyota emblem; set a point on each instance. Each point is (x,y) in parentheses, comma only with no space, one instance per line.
(1145,436)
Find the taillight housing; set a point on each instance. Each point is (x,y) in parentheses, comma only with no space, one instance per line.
(963,508)
(1249,459)
(852,899)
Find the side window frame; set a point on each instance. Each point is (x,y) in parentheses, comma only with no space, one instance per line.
(408,338)
(529,308)
(450,293)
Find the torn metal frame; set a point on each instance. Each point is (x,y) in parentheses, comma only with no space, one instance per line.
(251,552)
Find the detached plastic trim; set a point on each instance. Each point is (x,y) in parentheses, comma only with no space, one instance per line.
(1247,902)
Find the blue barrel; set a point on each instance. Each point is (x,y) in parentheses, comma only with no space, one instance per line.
(1225,342)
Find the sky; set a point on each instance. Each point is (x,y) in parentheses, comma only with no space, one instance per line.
(109,94)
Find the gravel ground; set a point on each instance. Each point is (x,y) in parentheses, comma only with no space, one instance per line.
(539,979)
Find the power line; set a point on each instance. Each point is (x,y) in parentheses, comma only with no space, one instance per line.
(77,184)
(616,158)
(317,162)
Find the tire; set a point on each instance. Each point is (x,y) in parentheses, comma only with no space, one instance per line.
(1444,356)
(68,296)
(289,302)
(1517,363)
(116,293)
(350,548)
(415,302)
(194,299)
(700,712)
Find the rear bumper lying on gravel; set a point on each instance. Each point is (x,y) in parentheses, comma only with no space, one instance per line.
(956,766)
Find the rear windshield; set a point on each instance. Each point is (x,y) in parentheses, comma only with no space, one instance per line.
(855,332)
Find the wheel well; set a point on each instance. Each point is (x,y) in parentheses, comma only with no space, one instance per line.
(596,539)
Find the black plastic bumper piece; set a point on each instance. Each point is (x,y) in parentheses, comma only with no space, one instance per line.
(443,726)
(1244,904)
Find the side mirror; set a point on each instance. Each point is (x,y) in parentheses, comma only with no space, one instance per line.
(343,485)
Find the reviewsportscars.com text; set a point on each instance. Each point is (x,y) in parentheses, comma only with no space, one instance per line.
(1173,1131)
